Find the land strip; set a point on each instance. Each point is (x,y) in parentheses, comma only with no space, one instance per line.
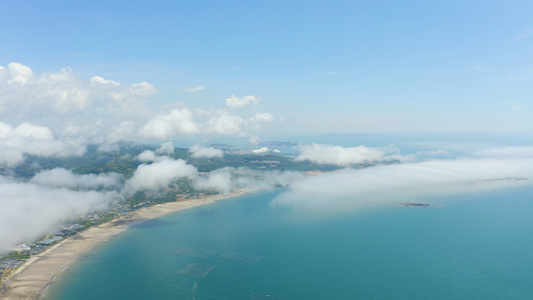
(38,272)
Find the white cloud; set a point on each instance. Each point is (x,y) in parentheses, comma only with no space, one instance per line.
(225,124)
(181,122)
(71,130)
(103,110)
(164,126)
(194,89)
(389,184)
(159,174)
(27,130)
(166,148)
(230,179)
(60,177)
(19,74)
(199,151)
(147,156)
(37,140)
(143,88)
(61,100)
(254,140)
(262,117)
(63,90)
(234,102)
(261,150)
(29,210)
(217,180)
(10,157)
(506,152)
(108,148)
(337,155)
(121,132)
(101,80)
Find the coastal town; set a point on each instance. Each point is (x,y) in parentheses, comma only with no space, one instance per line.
(68,249)
(70,239)
(24,251)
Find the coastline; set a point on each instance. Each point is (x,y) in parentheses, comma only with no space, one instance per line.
(38,272)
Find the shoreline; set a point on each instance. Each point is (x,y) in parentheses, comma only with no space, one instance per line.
(37,273)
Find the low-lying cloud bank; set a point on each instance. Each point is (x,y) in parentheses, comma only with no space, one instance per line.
(506,152)
(149,155)
(159,175)
(230,179)
(60,177)
(29,210)
(163,172)
(387,184)
(166,148)
(345,156)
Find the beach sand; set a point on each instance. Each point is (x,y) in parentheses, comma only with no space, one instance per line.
(30,279)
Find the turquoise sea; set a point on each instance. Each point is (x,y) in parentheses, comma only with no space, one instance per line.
(476,246)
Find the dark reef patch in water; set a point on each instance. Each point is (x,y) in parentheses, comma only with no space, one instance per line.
(152,223)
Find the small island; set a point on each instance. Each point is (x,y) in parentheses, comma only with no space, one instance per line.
(414,204)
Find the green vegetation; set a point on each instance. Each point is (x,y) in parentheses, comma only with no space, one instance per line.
(124,162)
(14,255)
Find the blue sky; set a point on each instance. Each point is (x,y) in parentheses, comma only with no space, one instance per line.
(316,66)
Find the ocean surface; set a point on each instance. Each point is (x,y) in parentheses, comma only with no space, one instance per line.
(475,246)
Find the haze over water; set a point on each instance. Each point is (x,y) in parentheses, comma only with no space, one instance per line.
(475,246)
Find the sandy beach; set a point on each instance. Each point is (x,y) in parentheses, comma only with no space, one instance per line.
(30,279)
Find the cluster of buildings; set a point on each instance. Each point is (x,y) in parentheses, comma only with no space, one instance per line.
(187,196)
(249,150)
(122,209)
(63,231)
(26,250)
(94,218)
(9,264)
(264,162)
(69,228)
